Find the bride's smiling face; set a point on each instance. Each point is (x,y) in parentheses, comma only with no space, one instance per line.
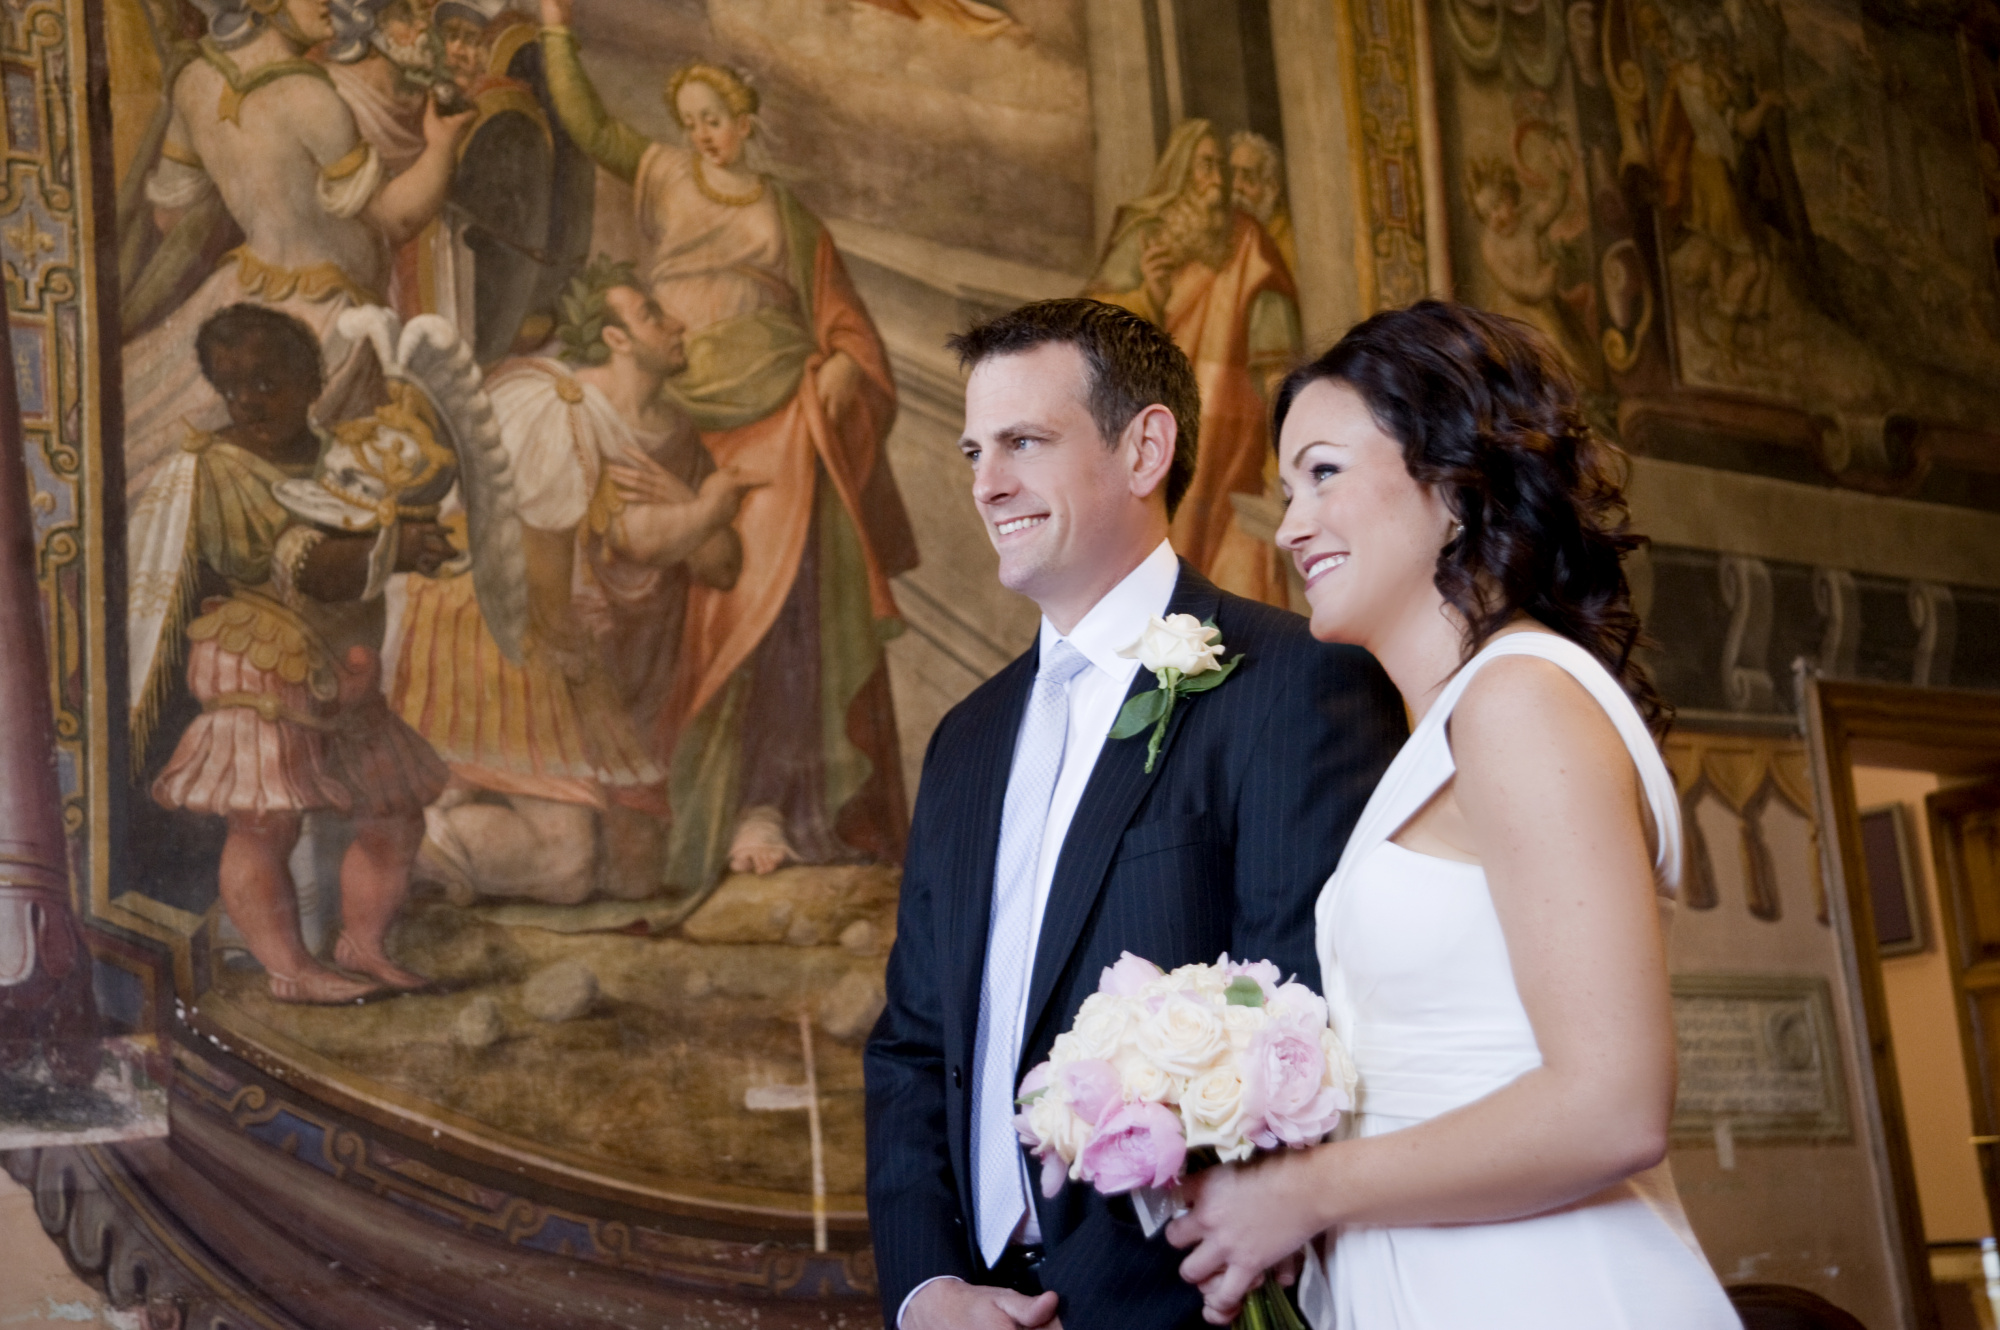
(1362,531)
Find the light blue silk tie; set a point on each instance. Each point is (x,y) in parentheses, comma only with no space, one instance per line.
(998,1197)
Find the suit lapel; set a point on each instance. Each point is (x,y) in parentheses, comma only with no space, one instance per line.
(1117,784)
(976,846)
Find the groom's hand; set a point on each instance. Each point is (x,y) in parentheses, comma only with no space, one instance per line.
(949,1304)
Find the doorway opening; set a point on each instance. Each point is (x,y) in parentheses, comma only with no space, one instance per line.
(1910,783)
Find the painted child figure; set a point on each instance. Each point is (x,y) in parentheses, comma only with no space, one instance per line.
(286,665)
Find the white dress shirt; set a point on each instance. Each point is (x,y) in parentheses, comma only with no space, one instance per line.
(1096,695)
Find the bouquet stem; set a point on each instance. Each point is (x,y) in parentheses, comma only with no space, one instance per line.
(1267,1308)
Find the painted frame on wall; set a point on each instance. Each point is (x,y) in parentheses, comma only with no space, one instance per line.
(1895,881)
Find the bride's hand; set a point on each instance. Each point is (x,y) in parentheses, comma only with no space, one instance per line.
(1241,1221)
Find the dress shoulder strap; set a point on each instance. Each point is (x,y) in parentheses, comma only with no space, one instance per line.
(1654,778)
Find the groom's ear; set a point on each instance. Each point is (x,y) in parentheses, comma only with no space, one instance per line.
(1148,445)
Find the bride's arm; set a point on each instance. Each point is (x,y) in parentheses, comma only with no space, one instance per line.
(1549,802)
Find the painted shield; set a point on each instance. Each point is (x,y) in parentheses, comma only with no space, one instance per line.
(500,199)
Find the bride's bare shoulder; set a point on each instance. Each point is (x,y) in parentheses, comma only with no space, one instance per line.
(1522,716)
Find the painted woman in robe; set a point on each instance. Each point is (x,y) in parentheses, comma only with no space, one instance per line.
(779,734)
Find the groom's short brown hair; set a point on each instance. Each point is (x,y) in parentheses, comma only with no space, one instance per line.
(1130,364)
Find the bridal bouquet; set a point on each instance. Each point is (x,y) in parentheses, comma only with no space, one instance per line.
(1160,1072)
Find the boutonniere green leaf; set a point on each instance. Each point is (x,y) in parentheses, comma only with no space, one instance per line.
(1185,656)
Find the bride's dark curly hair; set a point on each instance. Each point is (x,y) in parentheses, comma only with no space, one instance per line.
(1486,411)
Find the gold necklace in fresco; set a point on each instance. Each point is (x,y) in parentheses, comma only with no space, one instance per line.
(714,195)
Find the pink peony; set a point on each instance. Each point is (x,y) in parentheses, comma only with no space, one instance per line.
(1128,976)
(1137,1145)
(1036,1081)
(1300,1006)
(1285,1097)
(1054,1170)
(1091,1085)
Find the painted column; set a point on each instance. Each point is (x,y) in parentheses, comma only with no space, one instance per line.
(45,995)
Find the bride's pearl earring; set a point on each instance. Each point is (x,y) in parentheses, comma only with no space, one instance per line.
(1457,530)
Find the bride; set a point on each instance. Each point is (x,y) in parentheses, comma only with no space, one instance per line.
(1492,941)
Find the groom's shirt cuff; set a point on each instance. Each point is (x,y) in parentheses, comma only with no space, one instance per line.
(904,1309)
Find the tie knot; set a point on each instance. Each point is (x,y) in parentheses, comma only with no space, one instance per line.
(1063,663)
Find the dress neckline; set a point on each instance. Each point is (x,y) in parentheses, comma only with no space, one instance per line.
(1436,858)
(1425,763)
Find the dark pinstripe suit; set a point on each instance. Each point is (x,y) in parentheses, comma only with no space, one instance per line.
(1224,847)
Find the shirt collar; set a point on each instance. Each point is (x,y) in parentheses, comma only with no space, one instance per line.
(1115,622)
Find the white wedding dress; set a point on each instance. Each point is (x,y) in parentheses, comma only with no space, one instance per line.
(1423,996)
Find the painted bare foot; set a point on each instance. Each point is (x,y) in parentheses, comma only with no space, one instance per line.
(351,955)
(760,846)
(319,986)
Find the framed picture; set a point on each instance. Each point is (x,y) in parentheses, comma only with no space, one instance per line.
(1895,882)
(1761,1053)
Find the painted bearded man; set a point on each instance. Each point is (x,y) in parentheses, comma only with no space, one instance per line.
(1257,186)
(1210,275)
(383,62)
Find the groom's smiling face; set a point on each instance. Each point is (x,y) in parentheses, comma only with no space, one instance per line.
(1057,501)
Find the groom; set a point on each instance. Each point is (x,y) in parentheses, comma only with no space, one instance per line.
(1041,848)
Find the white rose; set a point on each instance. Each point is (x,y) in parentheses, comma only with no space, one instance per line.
(1058,1126)
(1102,1027)
(1146,1081)
(1066,1048)
(1184,1037)
(1236,1153)
(1340,1071)
(1241,1023)
(1212,1108)
(1177,642)
(1211,981)
(1207,981)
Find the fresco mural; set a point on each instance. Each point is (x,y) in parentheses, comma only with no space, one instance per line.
(1196,255)
(481,744)
(1760,202)
(514,528)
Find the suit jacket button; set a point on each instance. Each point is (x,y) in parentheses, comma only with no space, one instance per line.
(957,1079)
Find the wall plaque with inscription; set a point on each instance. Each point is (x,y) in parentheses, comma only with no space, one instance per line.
(1760,1053)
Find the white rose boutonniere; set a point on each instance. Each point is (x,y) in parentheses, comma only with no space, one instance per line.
(1185,655)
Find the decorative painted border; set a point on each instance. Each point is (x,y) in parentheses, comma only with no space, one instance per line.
(58,270)
(1386,91)
(54,218)
(267,1116)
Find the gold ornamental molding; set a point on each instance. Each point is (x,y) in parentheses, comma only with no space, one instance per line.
(1391,111)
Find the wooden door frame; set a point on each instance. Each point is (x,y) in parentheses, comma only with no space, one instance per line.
(1949,731)
(1944,850)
